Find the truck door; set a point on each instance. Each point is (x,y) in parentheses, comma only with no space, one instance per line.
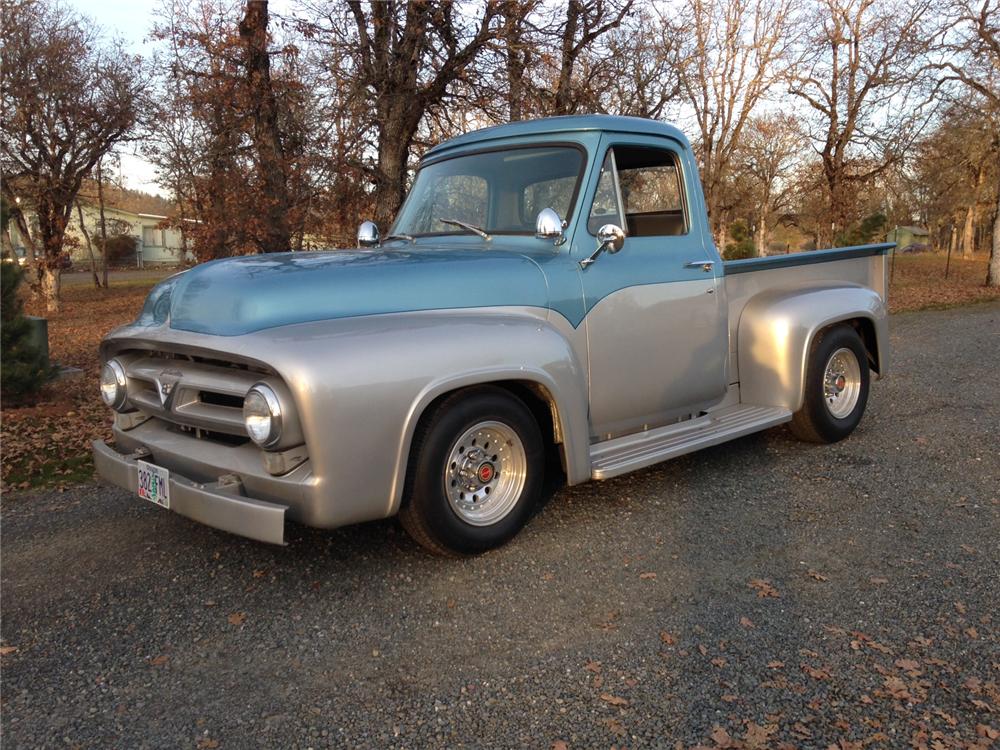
(656,323)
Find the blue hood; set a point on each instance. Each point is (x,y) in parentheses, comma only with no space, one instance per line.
(246,294)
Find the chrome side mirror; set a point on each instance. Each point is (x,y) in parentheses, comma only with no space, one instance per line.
(548,226)
(368,235)
(611,238)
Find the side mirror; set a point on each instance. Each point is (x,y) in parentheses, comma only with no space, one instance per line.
(368,235)
(611,238)
(548,226)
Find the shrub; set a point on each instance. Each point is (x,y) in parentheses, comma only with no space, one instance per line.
(742,245)
(23,367)
(121,248)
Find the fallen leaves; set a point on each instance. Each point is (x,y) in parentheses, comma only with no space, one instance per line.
(984,730)
(763,588)
(746,622)
(237,618)
(817,673)
(817,576)
(7,650)
(667,638)
(206,744)
(895,687)
(910,666)
(159,661)
(48,442)
(648,576)
(613,700)
(614,726)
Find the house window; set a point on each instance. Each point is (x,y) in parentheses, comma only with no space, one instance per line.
(152,237)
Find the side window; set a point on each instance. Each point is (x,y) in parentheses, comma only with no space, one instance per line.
(650,187)
(606,208)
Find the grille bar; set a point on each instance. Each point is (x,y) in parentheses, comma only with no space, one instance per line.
(192,394)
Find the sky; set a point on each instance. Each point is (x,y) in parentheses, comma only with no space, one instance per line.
(131,20)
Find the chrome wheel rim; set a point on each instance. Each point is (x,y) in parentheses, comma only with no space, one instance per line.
(485,473)
(841,383)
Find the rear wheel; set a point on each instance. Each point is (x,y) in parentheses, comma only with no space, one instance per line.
(836,387)
(475,473)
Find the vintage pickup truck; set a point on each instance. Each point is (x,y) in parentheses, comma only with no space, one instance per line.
(548,288)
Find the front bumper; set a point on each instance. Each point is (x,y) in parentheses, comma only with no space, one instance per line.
(221,504)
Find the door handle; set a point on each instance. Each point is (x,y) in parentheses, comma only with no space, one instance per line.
(704,265)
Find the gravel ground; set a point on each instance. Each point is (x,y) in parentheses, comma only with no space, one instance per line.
(764,593)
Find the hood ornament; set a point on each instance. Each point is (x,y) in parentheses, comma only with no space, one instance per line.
(166,383)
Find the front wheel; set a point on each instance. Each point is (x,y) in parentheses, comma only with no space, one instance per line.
(836,387)
(475,473)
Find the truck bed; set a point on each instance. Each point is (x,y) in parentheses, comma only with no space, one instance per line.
(862,265)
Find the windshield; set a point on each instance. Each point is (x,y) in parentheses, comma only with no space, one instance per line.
(499,192)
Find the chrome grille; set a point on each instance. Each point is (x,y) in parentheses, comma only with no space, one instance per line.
(189,393)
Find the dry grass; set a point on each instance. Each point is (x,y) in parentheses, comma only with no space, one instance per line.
(48,443)
(918,282)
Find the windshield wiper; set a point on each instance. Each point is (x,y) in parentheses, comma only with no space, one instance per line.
(468,227)
(409,237)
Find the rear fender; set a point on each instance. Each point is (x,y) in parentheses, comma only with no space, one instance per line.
(777,328)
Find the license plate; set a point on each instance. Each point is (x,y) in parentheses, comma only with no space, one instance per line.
(154,484)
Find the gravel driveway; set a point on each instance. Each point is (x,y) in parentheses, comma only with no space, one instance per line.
(764,593)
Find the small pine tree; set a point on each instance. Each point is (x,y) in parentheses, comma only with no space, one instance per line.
(742,245)
(23,368)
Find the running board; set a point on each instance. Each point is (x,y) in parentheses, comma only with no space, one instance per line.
(630,452)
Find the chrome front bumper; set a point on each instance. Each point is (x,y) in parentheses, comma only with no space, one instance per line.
(221,504)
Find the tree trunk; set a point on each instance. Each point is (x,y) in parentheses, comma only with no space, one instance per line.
(391,187)
(104,226)
(266,132)
(51,282)
(993,268)
(90,246)
(760,236)
(969,233)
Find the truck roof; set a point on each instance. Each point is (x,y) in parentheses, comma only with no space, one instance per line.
(563,124)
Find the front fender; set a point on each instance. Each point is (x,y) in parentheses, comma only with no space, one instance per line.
(362,385)
(776,329)
(531,351)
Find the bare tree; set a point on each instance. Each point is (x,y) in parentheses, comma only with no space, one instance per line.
(584,23)
(67,100)
(767,155)
(405,59)
(735,53)
(971,56)
(862,61)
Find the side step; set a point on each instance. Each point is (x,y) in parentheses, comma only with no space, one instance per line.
(630,452)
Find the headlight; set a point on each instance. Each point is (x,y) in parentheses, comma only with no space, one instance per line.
(113,390)
(262,415)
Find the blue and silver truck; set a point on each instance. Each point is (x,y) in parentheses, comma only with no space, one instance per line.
(549,290)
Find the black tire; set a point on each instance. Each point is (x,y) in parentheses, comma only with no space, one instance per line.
(427,514)
(814,422)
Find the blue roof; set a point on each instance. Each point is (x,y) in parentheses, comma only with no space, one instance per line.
(564,124)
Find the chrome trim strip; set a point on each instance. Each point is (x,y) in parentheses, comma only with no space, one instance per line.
(749,265)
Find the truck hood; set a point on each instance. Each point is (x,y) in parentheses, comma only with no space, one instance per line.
(241,295)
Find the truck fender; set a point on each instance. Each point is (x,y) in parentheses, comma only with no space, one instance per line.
(777,328)
(546,361)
